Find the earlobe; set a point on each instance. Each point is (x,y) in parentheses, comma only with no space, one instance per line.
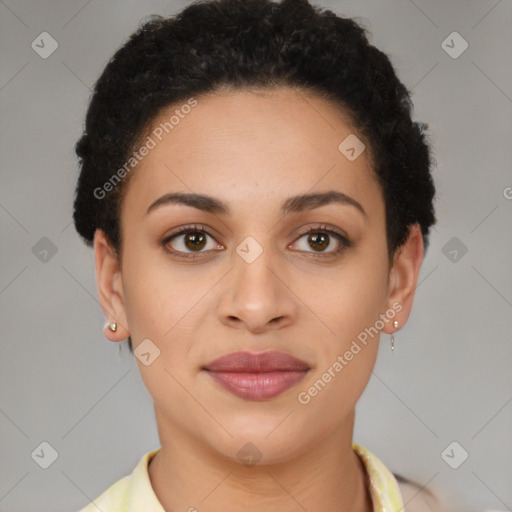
(110,289)
(404,276)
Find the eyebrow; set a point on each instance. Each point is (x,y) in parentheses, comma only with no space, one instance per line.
(293,204)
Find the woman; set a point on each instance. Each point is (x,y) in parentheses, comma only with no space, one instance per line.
(259,202)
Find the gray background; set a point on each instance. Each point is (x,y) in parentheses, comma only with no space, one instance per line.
(449,378)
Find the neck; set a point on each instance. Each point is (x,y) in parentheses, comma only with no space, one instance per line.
(330,477)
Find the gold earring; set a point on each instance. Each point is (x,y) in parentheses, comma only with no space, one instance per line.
(113,326)
(395,325)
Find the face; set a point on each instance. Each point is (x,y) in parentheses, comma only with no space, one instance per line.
(247,268)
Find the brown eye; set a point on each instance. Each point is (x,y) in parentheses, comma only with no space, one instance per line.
(195,240)
(322,241)
(318,241)
(189,241)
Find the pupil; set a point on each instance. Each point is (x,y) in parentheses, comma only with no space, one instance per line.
(195,240)
(319,237)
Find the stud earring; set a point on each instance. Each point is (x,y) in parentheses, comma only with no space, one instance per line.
(113,326)
(395,325)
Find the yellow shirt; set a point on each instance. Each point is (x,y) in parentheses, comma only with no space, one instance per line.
(134,493)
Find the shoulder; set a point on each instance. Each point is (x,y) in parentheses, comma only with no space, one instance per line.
(113,498)
(418,498)
(129,493)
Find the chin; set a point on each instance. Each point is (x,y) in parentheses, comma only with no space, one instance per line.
(251,451)
(260,441)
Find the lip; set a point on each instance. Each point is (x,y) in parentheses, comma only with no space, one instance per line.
(257,376)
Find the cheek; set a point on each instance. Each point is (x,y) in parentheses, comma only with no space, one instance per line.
(155,299)
(158,308)
(346,345)
(348,300)
(167,305)
(345,357)
(357,304)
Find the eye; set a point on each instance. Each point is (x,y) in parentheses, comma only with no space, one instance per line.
(320,239)
(189,240)
(192,242)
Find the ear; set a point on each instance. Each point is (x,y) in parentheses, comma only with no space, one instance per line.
(110,287)
(403,277)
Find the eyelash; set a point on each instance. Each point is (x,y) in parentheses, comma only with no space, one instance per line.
(344,241)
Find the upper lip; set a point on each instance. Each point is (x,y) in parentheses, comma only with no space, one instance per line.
(250,362)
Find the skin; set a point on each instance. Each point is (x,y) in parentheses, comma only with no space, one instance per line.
(253,150)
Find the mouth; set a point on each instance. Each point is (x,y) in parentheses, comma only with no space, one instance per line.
(257,376)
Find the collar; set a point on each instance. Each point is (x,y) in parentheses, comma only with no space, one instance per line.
(384,490)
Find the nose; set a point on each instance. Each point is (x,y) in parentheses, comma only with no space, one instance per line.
(257,297)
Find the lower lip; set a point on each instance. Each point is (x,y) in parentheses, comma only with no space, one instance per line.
(258,386)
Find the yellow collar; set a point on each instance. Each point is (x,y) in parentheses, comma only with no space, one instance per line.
(384,490)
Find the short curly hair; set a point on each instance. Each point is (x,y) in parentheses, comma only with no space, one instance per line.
(240,44)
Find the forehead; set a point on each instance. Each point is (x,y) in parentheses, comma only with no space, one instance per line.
(256,143)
